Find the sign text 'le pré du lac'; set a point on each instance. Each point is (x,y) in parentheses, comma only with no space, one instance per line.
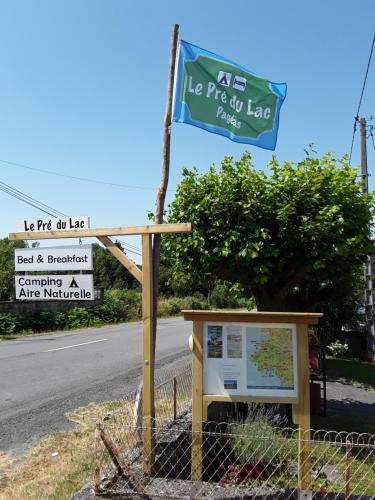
(54,224)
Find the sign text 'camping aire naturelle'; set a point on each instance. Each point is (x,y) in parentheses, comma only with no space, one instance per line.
(53,224)
(55,287)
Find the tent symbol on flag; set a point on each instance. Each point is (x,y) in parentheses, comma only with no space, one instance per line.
(224,78)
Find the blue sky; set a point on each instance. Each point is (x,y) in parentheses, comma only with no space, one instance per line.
(83,91)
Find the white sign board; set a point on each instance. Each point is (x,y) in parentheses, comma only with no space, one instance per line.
(66,258)
(55,287)
(53,224)
(244,359)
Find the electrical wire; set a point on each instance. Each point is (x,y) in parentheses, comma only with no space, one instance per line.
(365,79)
(372,138)
(29,200)
(356,119)
(76,178)
(130,248)
(354,131)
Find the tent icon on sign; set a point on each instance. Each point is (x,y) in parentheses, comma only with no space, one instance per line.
(73,284)
(224,78)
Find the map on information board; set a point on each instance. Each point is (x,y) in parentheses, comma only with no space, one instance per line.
(269,354)
(257,359)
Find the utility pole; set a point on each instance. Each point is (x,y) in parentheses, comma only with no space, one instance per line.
(369,302)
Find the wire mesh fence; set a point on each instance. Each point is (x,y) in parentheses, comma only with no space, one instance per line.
(173,398)
(239,460)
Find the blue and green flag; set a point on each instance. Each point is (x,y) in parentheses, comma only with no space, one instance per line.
(225,98)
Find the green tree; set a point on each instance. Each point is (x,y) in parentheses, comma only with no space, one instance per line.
(7,248)
(295,239)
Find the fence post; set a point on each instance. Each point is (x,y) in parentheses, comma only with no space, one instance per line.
(347,469)
(174,399)
(97,479)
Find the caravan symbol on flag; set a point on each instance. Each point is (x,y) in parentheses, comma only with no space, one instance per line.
(224,78)
(239,83)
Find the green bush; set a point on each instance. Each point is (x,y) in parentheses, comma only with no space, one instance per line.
(226,295)
(172,306)
(258,441)
(8,323)
(120,305)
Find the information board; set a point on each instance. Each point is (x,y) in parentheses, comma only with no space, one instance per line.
(256,359)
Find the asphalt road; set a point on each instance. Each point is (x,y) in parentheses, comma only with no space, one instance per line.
(42,377)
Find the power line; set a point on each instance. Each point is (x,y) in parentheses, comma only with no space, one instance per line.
(354,131)
(76,178)
(356,118)
(29,200)
(365,79)
(372,138)
(130,248)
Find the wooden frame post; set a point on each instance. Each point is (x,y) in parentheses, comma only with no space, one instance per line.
(148,410)
(301,410)
(197,402)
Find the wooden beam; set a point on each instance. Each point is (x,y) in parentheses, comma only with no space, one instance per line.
(120,256)
(301,410)
(197,402)
(252,317)
(148,402)
(109,231)
(207,398)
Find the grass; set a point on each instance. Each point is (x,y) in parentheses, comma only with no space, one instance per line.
(351,371)
(344,421)
(62,463)
(59,464)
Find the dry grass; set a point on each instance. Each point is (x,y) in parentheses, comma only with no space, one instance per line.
(59,464)
(62,463)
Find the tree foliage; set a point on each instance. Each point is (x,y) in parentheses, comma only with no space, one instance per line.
(7,248)
(295,238)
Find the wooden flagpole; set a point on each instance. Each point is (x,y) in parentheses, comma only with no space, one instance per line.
(162,191)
